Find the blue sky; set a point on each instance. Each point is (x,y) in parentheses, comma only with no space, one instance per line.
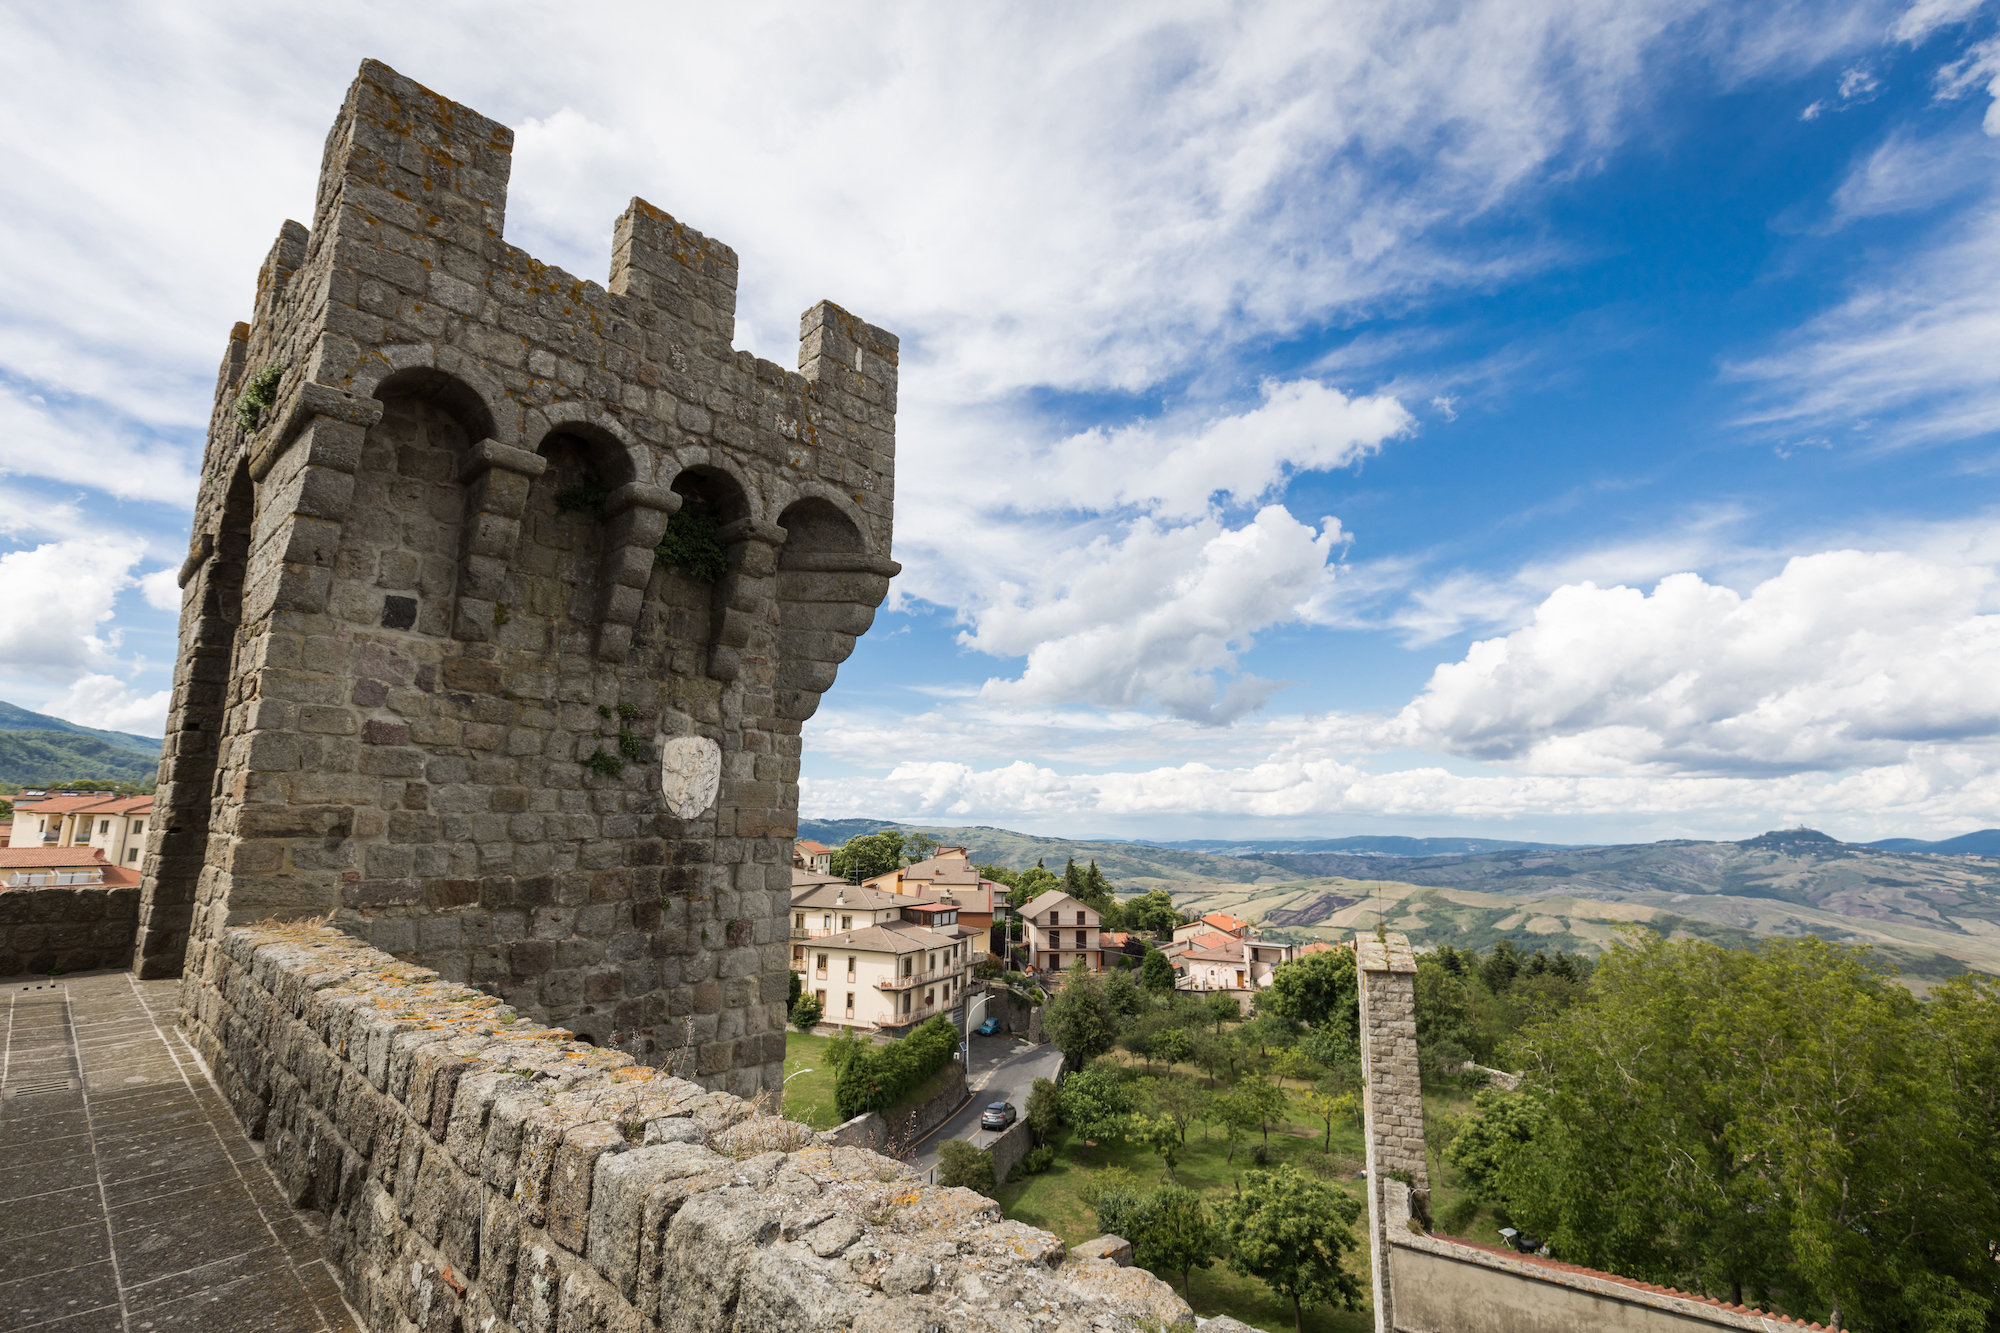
(1556,421)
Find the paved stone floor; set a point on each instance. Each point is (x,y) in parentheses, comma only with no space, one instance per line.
(130,1199)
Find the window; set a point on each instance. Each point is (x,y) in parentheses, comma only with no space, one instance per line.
(799,957)
(103,826)
(799,921)
(906,967)
(820,971)
(1055,918)
(906,1002)
(819,996)
(1079,918)
(826,922)
(138,826)
(850,975)
(850,1004)
(132,854)
(847,923)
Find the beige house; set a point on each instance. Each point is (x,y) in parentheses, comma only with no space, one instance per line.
(814,856)
(1058,930)
(949,872)
(114,825)
(880,961)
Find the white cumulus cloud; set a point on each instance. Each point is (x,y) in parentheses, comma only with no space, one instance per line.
(105,701)
(1155,615)
(55,600)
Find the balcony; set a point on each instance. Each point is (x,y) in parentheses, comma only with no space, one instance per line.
(949,972)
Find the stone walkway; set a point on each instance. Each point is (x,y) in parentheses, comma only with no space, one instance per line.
(130,1199)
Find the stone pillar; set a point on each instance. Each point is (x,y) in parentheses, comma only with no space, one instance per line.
(1392,1103)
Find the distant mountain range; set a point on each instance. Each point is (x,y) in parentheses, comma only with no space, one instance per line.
(36,748)
(1361,846)
(1986,842)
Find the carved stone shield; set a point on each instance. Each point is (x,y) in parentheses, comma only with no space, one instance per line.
(690,772)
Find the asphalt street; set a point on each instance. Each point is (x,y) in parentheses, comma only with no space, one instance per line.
(1000,1069)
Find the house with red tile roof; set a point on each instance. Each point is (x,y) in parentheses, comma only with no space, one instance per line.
(1219,923)
(50,867)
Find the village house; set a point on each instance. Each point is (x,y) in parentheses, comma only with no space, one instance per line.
(1214,961)
(981,901)
(44,867)
(814,856)
(1215,923)
(1060,930)
(115,824)
(880,961)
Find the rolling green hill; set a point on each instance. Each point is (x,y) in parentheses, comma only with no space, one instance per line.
(15,718)
(37,750)
(47,758)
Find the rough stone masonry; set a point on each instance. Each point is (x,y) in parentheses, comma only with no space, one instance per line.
(507,597)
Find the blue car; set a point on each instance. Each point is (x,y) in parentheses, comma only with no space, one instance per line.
(988,1028)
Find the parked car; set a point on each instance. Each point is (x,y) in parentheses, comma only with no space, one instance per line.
(988,1028)
(998,1116)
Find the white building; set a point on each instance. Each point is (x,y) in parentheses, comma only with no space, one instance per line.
(880,961)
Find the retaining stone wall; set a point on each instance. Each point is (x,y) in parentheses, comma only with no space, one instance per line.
(66,928)
(482,1172)
(1009,1146)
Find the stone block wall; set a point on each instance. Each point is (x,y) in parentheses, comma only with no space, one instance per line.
(435,679)
(1392,1100)
(66,929)
(481,1172)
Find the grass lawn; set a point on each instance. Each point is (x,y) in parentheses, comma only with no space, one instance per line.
(809,1096)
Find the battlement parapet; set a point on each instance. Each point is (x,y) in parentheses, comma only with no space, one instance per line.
(481,1171)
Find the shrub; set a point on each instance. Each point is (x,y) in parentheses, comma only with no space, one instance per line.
(1260,1155)
(959,1163)
(1038,1160)
(1045,1112)
(690,544)
(807,1010)
(872,1077)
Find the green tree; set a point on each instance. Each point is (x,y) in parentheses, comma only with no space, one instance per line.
(1176,1233)
(1045,1111)
(1095,1103)
(807,1011)
(1031,884)
(1737,1120)
(1157,1132)
(1080,1020)
(1329,1107)
(959,1163)
(1150,913)
(1290,1232)
(1445,1036)
(919,847)
(1181,1100)
(1500,1123)
(1269,1029)
(1236,1114)
(1320,990)
(1172,1045)
(866,855)
(1266,1102)
(1222,1008)
(1156,974)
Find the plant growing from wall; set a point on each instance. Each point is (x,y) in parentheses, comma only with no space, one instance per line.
(587,495)
(691,546)
(258,396)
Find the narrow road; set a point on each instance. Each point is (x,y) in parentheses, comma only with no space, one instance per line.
(1002,1070)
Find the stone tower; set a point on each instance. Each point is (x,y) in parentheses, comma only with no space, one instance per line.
(507,598)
